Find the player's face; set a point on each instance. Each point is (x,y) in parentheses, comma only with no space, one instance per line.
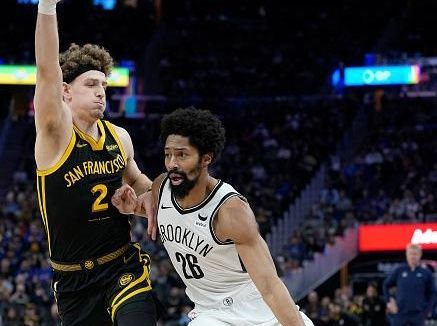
(87,95)
(183,164)
(413,256)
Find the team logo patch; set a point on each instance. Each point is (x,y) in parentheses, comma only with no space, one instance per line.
(125,279)
(89,264)
(228,301)
(111,147)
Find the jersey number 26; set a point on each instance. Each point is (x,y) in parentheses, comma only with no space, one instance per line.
(189,266)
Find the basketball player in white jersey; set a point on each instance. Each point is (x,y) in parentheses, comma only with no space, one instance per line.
(210,232)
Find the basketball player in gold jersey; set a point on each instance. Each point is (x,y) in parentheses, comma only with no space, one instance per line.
(100,278)
(210,232)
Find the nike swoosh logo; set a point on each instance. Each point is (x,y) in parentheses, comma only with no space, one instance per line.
(165,207)
(128,259)
(80,145)
(202,218)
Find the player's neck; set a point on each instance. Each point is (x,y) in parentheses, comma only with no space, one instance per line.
(200,191)
(88,127)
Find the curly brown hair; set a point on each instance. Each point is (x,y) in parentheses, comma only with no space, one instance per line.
(77,60)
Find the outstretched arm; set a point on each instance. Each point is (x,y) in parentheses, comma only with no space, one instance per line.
(52,116)
(237,222)
(126,201)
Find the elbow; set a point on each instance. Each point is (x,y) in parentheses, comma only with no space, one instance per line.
(265,292)
(267,288)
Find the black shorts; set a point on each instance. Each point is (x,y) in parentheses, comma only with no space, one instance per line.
(108,293)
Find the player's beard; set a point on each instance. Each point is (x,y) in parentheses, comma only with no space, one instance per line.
(182,190)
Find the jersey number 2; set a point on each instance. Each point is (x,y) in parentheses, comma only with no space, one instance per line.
(189,262)
(101,191)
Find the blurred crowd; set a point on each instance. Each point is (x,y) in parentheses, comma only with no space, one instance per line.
(391,178)
(258,48)
(113,29)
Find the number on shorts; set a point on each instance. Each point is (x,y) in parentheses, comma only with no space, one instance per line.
(189,261)
(102,191)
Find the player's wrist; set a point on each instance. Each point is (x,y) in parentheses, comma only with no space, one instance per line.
(47,7)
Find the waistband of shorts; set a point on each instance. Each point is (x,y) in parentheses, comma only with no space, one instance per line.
(88,264)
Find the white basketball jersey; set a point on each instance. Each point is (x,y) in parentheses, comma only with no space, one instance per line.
(211,269)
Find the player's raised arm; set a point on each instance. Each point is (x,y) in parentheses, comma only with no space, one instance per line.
(52,117)
(237,222)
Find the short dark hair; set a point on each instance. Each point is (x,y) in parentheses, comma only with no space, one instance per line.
(204,130)
(77,60)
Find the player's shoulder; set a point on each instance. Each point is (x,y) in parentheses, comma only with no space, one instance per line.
(235,203)
(121,133)
(223,187)
(236,214)
(119,130)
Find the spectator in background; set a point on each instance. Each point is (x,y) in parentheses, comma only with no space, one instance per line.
(415,291)
(312,308)
(373,307)
(337,317)
(20,296)
(10,317)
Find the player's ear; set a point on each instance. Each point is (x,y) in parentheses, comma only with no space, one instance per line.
(66,91)
(206,159)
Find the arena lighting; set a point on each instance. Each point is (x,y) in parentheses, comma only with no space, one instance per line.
(394,237)
(377,75)
(104,4)
(26,75)
(26,2)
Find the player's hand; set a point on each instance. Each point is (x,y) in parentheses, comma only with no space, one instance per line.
(193,314)
(147,208)
(125,199)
